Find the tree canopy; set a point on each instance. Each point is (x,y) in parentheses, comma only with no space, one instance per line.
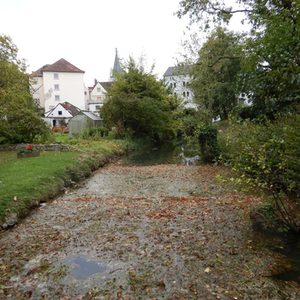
(272,62)
(140,105)
(216,73)
(19,118)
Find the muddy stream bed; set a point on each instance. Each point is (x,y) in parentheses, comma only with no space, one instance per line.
(142,232)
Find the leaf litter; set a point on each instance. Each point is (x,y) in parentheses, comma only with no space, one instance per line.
(146,232)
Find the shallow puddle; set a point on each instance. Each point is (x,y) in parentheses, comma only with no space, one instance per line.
(83,268)
(288,268)
(291,250)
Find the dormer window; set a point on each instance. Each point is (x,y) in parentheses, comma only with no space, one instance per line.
(60,113)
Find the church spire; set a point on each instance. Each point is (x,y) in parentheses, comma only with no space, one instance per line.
(117,66)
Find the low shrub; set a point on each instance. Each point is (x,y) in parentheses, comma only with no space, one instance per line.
(208,144)
(267,156)
(95,133)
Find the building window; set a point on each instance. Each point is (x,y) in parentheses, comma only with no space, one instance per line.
(184,83)
(60,112)
(174,84)
(98,98)
(56,87)
(183,94)
(98,90)
(57,98)
(55,76)
(187,94)
(97,107)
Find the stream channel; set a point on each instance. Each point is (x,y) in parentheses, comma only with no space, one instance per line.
(286,245)
(147,227)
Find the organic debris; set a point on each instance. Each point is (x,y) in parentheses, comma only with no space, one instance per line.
(155,232)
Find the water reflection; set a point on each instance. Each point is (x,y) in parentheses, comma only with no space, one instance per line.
(288,247)
(83,268)
(166,154)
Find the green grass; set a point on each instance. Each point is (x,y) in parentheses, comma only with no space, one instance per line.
(27,179)
(63,138)
(25,182)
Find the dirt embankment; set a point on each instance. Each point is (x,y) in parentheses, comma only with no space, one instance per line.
(156,232)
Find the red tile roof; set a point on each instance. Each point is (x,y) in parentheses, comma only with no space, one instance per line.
(61,65)
(73,110)
(39,72)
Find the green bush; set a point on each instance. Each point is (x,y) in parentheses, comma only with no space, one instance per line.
(266,155)
(95,133)
(208,144)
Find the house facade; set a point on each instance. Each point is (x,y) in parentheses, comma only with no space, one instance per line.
(177,79)
(59,116)
(97,96)
(57,83)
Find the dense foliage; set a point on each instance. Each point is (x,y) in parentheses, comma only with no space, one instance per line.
(264,151)
(267,156)
(272,73)
(140,106)
(208,144)
(19,119)
(272,64)
(216,73)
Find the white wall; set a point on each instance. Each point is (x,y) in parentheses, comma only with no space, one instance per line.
(94,107)
(63,112)
(179,86)
(71,89)
(86,96)
(37,90)
(98,96)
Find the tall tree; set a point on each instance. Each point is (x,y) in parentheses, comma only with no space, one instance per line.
(140,105)
(216,72)
(272,73)
(19,119)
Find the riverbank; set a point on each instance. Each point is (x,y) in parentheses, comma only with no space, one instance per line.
(26,182)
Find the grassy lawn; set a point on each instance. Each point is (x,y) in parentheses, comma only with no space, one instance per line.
(27,181)
(22,180)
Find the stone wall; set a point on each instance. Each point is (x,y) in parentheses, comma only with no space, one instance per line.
(39,147)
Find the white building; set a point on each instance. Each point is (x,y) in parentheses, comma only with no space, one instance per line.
(57,83)
(59,116)
(97,93)
(97,96)
(178,79)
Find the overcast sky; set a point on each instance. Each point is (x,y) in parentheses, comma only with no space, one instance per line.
(86,32)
